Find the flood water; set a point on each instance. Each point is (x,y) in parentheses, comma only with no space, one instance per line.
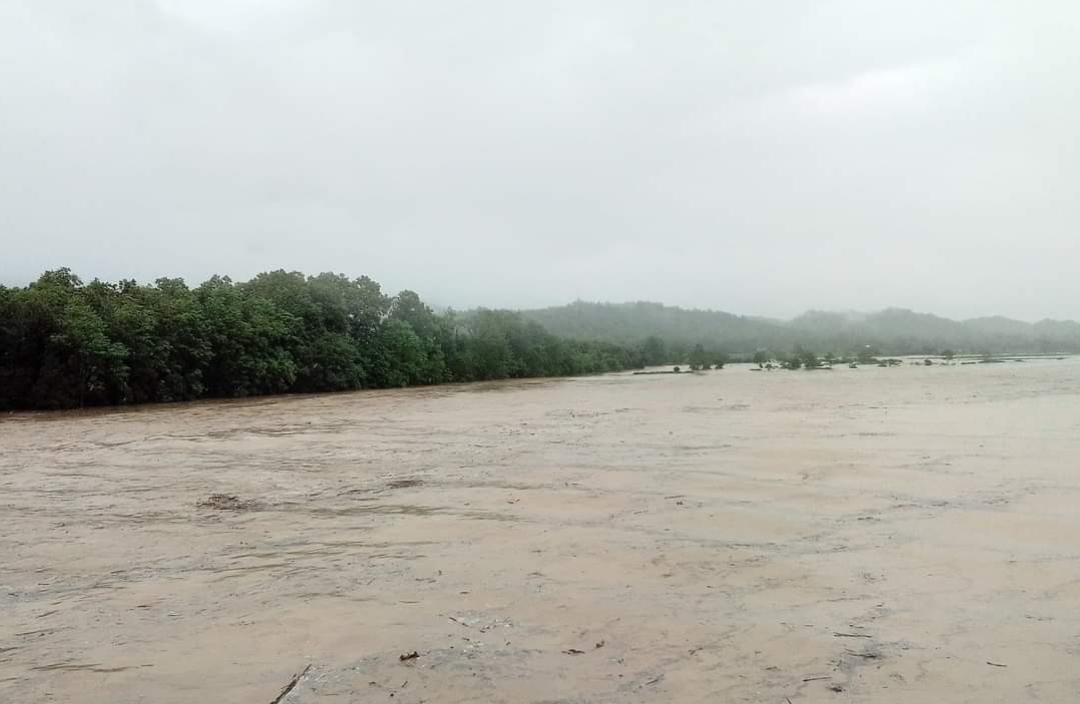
(869,535)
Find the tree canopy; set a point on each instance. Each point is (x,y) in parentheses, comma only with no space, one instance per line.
(65,343)
(894,331)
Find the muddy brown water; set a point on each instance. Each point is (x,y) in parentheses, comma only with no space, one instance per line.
(870,535)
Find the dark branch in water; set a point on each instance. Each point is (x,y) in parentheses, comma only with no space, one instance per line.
(290,686)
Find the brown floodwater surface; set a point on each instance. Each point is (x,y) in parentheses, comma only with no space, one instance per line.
(858,535)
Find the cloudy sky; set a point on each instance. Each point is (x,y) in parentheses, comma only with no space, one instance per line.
(757,157)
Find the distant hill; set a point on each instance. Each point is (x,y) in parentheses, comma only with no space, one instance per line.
(998,325)
(628,323)
(1064,332)
(892,331)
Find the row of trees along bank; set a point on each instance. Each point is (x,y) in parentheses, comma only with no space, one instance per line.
(65,343)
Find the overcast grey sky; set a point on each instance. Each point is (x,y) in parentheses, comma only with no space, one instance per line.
(757,157)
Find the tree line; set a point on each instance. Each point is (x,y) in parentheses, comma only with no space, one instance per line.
(894,331)
(65,343)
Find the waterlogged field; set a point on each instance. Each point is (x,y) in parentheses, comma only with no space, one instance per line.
(870,535)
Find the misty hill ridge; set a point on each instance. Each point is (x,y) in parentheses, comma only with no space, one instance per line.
(894,330)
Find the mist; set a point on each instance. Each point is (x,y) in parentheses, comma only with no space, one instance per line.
(765,159)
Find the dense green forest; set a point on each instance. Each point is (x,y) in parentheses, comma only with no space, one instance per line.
(65,343)
(894,331)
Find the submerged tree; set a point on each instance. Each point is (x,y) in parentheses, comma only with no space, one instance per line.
(699,358)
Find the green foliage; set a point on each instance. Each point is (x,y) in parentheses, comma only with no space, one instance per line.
(679,328)
(249,339)
(399,356)
(698,358)
(802,358)
(867,355)
(703,359)
(66,344)
(653,351)
(893,331)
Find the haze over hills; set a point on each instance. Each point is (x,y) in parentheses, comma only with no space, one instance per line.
(892,331)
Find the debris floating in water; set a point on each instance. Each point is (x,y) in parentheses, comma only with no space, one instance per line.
(227,502)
